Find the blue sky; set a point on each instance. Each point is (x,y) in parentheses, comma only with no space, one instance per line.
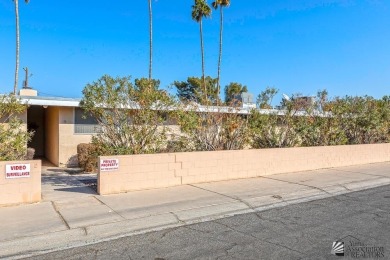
(297,46)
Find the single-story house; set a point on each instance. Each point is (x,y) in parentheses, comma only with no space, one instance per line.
(59,126)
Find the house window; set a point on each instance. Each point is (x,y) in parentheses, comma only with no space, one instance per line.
(84,123)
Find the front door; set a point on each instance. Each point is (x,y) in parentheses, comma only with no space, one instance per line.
(36,123)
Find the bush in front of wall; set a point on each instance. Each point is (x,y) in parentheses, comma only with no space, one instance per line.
(221,128)
(131,115)
(87,155)
(340,121)
(13,133)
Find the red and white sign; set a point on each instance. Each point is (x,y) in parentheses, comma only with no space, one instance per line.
(109,165)
(14,171)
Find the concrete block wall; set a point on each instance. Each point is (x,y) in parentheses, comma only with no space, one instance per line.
(138,172)
(20,190)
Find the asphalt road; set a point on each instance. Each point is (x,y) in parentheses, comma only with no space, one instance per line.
(302,231)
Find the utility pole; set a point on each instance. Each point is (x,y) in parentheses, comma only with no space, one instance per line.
(25,83)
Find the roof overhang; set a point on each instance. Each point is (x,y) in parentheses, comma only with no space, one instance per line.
(48,101)
(75,102)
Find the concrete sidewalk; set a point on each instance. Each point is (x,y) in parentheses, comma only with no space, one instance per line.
(72,214)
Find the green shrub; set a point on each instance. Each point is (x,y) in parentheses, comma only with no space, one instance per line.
(133,120)
(13,133)
(348,120)
(220,129)
(364,120)
(87,155)
(273,130)
(131,116)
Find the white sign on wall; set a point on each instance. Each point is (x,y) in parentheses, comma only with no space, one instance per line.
(109,165)
(14,171)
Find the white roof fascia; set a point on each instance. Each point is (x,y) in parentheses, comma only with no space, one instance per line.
(198,108)
(49,102)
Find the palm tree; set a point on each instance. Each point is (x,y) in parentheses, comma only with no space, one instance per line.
(17,43)
(221,4)
(151,41)
(199,10)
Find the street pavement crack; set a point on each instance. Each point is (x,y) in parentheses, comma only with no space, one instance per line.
(231,248)
(60,215)
(233,245)
(172,229)
(206,233)
(380,218)
(283,246)
(177,218)
(271,220)
(257,238)
(164,234)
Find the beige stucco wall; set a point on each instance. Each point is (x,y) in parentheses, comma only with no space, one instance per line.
(60,140)
(68,140)
(137,172)
(52,134)
(20,190)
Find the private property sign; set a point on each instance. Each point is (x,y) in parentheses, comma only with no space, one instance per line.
(109,164)
(14,171)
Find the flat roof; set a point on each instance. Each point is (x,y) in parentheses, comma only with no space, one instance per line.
(75,102)
(51,101)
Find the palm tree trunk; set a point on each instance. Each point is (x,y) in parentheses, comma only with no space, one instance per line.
(220,51)
(202,51)
(17,46)
(151,41)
